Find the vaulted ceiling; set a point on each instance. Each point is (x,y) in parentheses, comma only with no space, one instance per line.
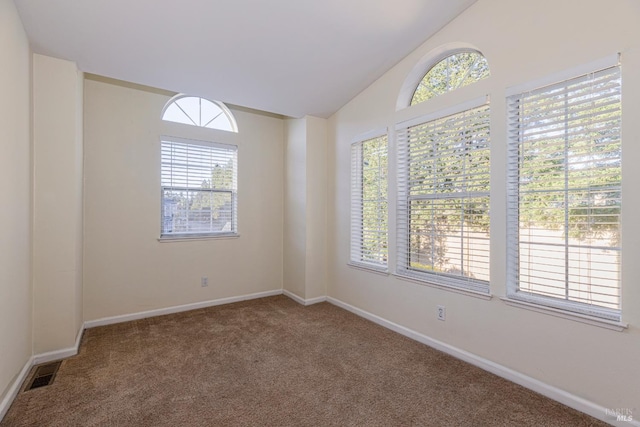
(291,57)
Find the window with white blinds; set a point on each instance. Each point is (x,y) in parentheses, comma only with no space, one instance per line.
(564,195)
(369,223)
(443,199)
(199,183)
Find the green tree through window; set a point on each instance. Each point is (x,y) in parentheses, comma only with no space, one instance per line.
(198,188)
(443,200)
(455,71)
(565,193)
(369,226)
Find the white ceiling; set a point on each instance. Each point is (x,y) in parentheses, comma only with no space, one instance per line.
(291,57)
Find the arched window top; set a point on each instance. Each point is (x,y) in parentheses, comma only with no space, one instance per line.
(196,111)
(456,70)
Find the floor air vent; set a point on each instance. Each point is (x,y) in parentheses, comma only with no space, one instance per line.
(44,375)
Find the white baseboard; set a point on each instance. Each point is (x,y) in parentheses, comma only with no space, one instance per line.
(547,390)
(293,296)
(15,388)
(59,354)
(34,360)
(51,356)
(177,309)
(54,355)
(301,300)
(315,300)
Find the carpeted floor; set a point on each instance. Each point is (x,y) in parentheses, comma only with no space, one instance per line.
(272,362)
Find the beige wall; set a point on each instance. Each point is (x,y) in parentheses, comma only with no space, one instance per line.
(78,185)
(522,41)
(316,215)
(305,207)
(126,269)
(295,206)
(15,188)
(57,222)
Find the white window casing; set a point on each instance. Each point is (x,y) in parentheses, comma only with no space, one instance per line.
(443,198)
(564,195)
(457,69)
(369,204)
(198,189)
(200,112)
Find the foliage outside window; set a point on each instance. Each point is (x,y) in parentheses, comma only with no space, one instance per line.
(199,183)
(369,226)
(455,71)
(565,194)
(443,200)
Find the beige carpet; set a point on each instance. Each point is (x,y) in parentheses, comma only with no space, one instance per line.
(272,362)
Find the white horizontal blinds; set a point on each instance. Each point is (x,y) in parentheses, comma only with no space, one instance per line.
(369,223)
(564,194)
(198,188)
(443,200)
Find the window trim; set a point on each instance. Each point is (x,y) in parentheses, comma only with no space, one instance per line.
(175,237)
(564,314)
(422,67)
(197,238)
(458,290)
(225,110)
(596,315)
(568,74)
(359,140)
(401,271)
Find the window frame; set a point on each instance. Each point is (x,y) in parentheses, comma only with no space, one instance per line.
(356,196)
(424,65)
(223,110)
(402,269)
(448,89)
(233,191)
(590,313)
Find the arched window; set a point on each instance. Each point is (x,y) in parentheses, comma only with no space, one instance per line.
(196,111)
(459,69)
(443,173)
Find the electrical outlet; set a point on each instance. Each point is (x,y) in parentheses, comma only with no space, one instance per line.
(204,281)
(442,313)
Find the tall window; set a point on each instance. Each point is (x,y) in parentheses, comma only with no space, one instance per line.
(199,182)
(564,194)
(369,247)
(443,199)
(456,70)
(196,111)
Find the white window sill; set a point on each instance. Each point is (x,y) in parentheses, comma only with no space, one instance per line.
(475,294)
(577,317)
(171,239)
(370,268)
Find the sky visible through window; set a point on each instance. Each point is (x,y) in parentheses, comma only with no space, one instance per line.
(200,112)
